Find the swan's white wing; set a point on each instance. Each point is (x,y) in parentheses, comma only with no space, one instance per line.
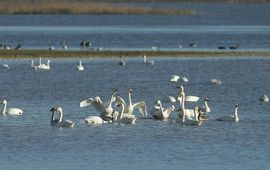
(86,102)
(174,78)
(184,79)
(172,99)
(170,109)
(191,98)
(119,100)
(142,108)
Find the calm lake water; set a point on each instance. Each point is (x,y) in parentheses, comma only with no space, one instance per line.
(29,142)
(214,25)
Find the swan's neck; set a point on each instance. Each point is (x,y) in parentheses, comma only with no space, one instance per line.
(32,63)
(161,108)
(120,116)
(61,116)
(144,59)
(207,108)
(40,61)
(183,107)
(236,118)
(48,63)
(129,98)
(53,116)
(3,112)
(80,63)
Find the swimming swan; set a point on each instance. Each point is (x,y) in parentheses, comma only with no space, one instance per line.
(105,109)
(60,122)
(10,111)
(162,113)
(44,66)
(264,98)
(124,118)
(189,113)
(80,67)
(193,121)
(129,108)
(97,120)
(230,118)
(145,61)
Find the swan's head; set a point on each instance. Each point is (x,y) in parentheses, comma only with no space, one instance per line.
(56,109)
(206,99)
(158,102)
(53,109)
(114,91)
(4,101)
(130,91)
(236,106)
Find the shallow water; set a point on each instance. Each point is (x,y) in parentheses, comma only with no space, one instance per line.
(29,142)
(214,25)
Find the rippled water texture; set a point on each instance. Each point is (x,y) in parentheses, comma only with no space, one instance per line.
(29,142)
(214,25)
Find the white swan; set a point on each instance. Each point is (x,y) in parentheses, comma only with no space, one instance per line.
(151,62)
(6,66)
(129,108)
(189,113)
(264,98)
(162,113)
(123,117)
(97,120)
(44,66)
(230,118)
(105,109)
(215,81)
(80,67)
(60,122)
(193,121)
(33,66)
(10,111)
(121,62)
(176,78)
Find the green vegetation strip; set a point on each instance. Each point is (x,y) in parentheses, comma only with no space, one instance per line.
(23,54)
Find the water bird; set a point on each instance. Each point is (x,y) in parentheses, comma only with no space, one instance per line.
(192,45)
(230,118)
(162,113)
(264,98)
(60,122)
(129,108)
(176,78)
(188,113)
(44,66)
(80,66)
(123,117)
(18,47)
(215,81)
(10,111)
(51,48)
(121,62)
(6,66)
(33,66)
(105,109)
(221,47)
(96,120)
(234,47)
(6,47)
(145,61)
(193,121)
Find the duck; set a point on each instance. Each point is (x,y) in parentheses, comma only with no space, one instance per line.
(10,111)
(230,118)
(60,122)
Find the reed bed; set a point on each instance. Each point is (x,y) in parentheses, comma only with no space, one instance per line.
(82,7)
(23,54)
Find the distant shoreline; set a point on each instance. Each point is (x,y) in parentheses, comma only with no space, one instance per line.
(25,54)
